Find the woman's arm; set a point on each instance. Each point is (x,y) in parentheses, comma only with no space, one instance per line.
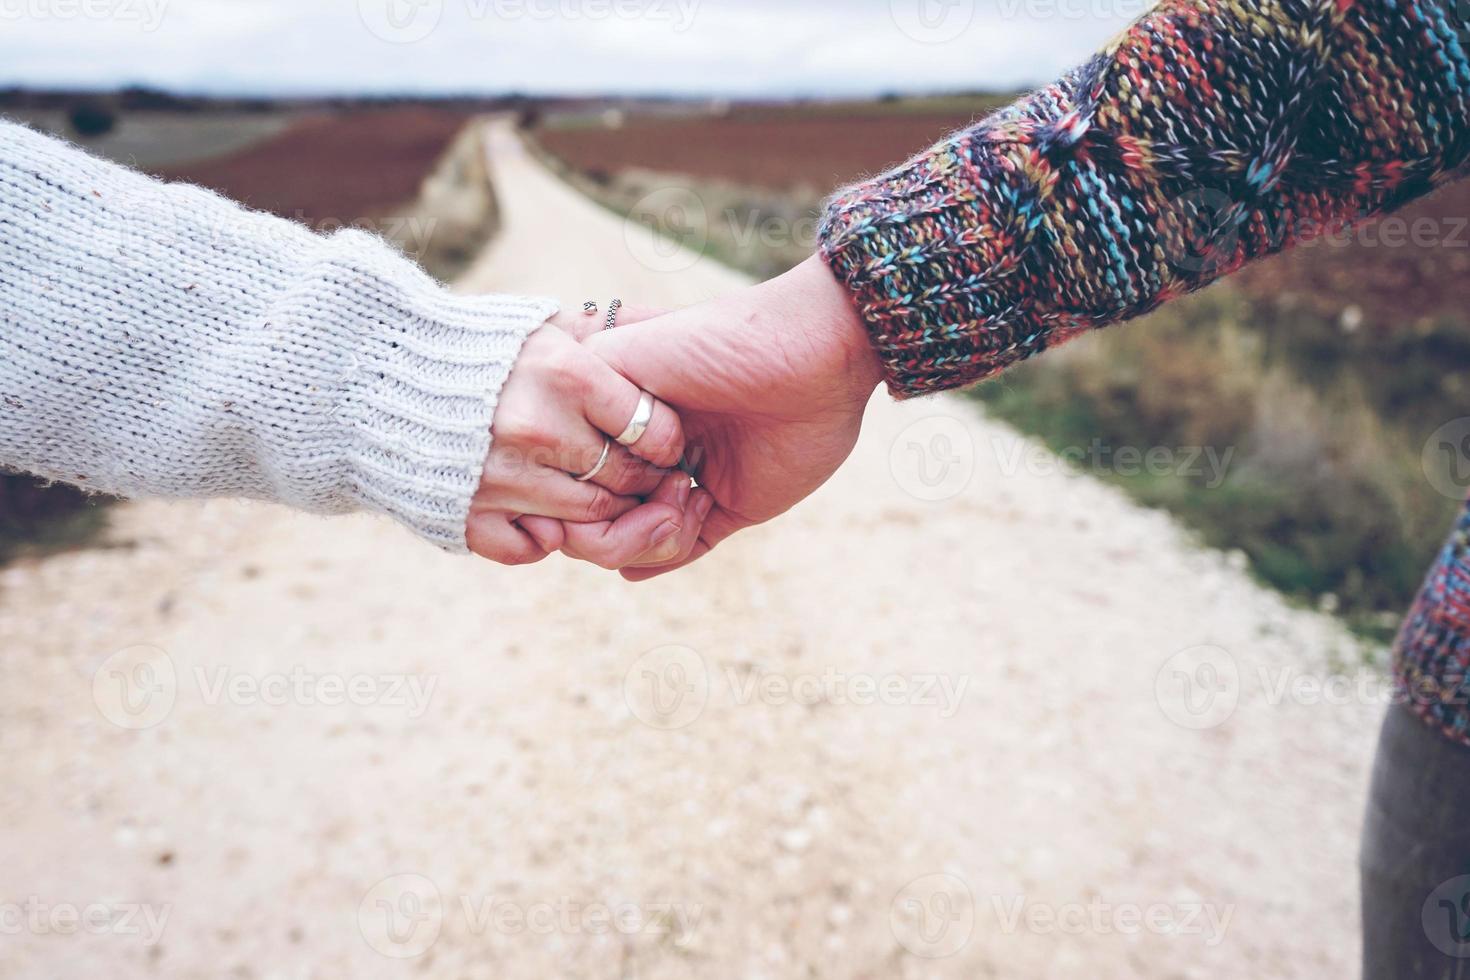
(158,339)
(1211,133)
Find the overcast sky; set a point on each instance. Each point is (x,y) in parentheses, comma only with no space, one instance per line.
(732,47)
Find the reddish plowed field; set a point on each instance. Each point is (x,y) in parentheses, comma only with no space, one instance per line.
(779,151)
(334,168)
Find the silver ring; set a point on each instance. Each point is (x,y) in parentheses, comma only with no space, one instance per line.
(601,463)
(612,314)
(589,308)
(639,423)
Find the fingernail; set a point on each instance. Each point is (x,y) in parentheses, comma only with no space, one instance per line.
(705,505)
(665,545)
(686,487)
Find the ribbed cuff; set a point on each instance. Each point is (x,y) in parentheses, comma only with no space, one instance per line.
(931,271)
(421,399)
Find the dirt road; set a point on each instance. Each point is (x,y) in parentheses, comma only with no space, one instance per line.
(963,714)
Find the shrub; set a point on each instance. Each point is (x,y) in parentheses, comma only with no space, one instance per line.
(92,119)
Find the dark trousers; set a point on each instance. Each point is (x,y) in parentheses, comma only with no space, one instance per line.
(1415,858)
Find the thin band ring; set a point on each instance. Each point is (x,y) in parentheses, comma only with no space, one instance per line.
(638,425)
(601,463)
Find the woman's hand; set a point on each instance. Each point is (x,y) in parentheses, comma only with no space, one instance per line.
(560,407)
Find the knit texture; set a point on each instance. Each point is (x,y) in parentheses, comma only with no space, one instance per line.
(159,340)
(1209,134)
(1432,657)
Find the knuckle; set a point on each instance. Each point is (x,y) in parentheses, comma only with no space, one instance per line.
(633,477)
(497,549)
(663,444)
(514,428)
(601,507)
(608,562)
(568,370)
(519,555)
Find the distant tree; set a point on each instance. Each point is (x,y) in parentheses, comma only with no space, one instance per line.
(530,118)
(92,118)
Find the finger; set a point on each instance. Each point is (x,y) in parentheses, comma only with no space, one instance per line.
(609,544)
(580,325)
(515,486)
(630,315)
(719,525)
(578,451)
(548,533)
(628,475)
(695,505)
(577,324)
(615,546)
(611,403)
(651,529)
(642,573)
(493,536)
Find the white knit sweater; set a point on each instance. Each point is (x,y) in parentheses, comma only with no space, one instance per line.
(157,339)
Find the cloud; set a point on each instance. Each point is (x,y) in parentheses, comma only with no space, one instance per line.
(725,47)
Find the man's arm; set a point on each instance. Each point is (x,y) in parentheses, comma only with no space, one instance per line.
(1211,133)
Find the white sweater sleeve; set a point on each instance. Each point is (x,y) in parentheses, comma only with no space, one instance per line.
(158,340)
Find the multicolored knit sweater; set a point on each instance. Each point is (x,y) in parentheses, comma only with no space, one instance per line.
(1209,134)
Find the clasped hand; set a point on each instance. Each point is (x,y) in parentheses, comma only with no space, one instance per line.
(761,393)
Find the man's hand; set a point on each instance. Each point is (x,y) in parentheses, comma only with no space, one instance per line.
(770,385)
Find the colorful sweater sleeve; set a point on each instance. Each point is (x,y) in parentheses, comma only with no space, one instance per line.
(1209,134)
